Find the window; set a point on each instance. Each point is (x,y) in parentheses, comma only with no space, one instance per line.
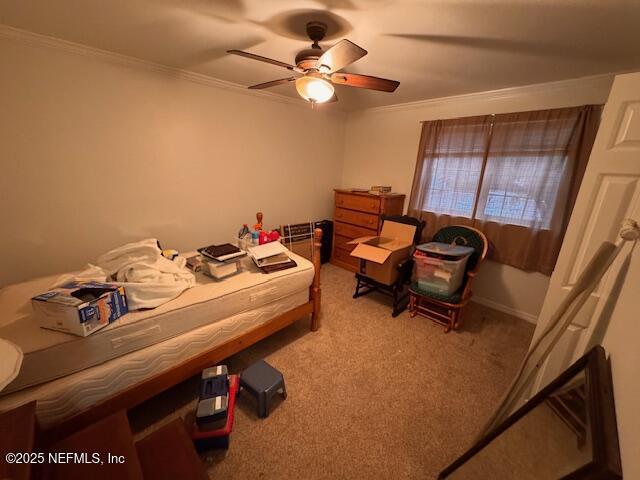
(502,169)
(515,176)
(454,185)
(521,190)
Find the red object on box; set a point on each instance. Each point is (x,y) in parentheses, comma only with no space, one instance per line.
(197,434)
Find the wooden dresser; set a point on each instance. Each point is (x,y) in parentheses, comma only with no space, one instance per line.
(357,215)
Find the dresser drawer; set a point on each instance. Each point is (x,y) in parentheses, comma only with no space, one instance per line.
(358,202)
(352,231)
(343,243)
(360,219)
(344,256)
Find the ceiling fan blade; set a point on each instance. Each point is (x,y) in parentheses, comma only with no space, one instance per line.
(260,58)
(339,56)
(364,81)
(272,83)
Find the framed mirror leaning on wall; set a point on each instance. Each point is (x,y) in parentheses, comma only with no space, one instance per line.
(567,431)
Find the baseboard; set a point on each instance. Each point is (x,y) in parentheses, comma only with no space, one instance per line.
(503,308)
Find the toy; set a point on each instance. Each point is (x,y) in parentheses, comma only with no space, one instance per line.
(259,235)
(244,231)
(169,253)
(266,237)
(274,236)
(258,225)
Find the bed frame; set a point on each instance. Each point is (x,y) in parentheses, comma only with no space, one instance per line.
(142,391)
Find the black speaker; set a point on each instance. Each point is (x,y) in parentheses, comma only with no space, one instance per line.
(327,239)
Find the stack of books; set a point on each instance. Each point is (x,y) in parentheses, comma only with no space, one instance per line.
(220,261)
(221,253)
(271,257)
(194,263)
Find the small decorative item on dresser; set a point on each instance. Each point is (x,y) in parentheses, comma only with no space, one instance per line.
(357,214)
(379,190)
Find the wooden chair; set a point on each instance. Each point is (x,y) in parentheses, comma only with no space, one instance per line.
(398,289)
(446,309)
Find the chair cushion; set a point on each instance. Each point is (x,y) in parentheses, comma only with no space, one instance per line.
(471,239)
(454,298)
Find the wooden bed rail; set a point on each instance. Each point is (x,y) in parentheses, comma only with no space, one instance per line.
(315,292)
(152,386)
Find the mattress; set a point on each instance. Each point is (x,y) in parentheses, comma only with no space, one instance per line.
(65,397)
(49,355)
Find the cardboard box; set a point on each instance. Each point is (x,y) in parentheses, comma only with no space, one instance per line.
(379,256)
(80,308)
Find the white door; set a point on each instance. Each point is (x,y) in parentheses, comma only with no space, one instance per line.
(610,192)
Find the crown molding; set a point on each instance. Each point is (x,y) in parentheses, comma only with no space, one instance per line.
(39,40)
(594,81)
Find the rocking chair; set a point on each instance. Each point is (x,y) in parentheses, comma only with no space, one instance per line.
(446,309)
(397,290)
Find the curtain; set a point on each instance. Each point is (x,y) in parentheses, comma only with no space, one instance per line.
(514,176)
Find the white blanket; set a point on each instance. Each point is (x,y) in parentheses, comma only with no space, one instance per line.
(148,278)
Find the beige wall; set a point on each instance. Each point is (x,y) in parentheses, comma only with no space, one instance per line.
(96,153)
(188,162)
(381,148)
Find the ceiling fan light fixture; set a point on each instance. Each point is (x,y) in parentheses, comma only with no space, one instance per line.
(316,70)
(314,90)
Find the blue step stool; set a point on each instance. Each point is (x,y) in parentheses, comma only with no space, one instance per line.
(263,382)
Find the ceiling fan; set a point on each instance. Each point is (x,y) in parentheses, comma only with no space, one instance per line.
(316,70)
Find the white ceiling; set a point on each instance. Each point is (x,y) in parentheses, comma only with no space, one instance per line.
(434,48)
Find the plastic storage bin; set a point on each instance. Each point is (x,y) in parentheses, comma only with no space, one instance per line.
(440,268)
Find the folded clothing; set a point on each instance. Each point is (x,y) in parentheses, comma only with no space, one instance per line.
(149,279)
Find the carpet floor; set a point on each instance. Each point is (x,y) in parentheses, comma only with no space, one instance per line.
(369,396)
